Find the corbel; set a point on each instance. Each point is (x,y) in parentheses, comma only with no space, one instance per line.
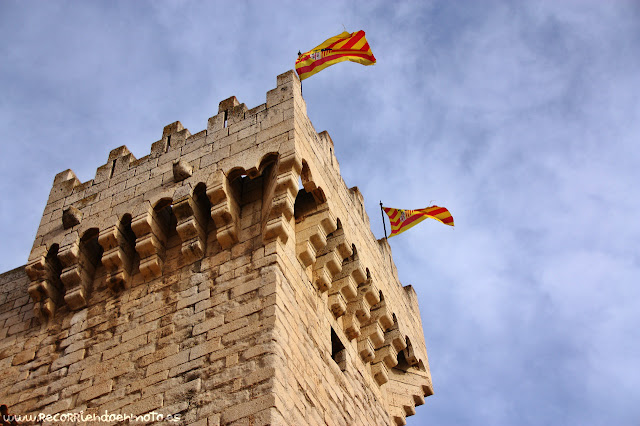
(118,255)
(329,260)
(79,262)
(311,233)
(191,226)
(45,288)
(150,243)
(225,209)
(281,210)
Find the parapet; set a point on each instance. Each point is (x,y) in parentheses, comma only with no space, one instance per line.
(298,209)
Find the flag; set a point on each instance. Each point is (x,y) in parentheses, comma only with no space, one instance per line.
(401,220)
(343,47)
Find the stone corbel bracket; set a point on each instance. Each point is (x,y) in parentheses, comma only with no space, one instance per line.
(118,255)
(311,234)
(396,342)
(225,209)
(344,288)
(380,319)
(370,292)
(356,314)
(79,260)
(329,260)
(382,314)
(412,388)
(406,390)
(359,310)
(386,353)
(150,243)
(278,223)
(192,223)
(380,373)
(371,337)
(45,288)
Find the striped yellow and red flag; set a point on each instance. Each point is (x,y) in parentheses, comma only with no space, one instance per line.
(401,220)
(343,47)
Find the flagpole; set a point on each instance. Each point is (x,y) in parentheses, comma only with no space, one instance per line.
(383,224)
(300,53)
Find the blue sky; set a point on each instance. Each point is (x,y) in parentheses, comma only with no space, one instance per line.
(521,117)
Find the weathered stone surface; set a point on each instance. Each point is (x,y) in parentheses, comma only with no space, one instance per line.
(71,216)
(181,170)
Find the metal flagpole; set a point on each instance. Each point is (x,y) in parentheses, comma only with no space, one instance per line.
(383,224)
(385,235)
(300,53)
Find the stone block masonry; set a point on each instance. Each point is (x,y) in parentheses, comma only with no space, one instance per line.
(229,277)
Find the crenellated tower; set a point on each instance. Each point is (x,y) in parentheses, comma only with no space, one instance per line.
(228,277)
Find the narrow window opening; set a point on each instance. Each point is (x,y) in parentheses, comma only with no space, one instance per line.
(203,203)
(168,144)
(165,217)
(338,353)
(331,155)
(129,236)
(225,118)
(113,168)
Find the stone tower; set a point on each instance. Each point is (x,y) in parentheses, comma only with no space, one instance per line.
(229,277)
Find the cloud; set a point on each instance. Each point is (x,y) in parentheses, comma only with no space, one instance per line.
(521,118)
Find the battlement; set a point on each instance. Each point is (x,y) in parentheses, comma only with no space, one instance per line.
(239,235)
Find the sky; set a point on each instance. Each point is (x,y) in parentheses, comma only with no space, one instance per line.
(522,118)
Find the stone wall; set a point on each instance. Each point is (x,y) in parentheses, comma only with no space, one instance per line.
(229,277)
